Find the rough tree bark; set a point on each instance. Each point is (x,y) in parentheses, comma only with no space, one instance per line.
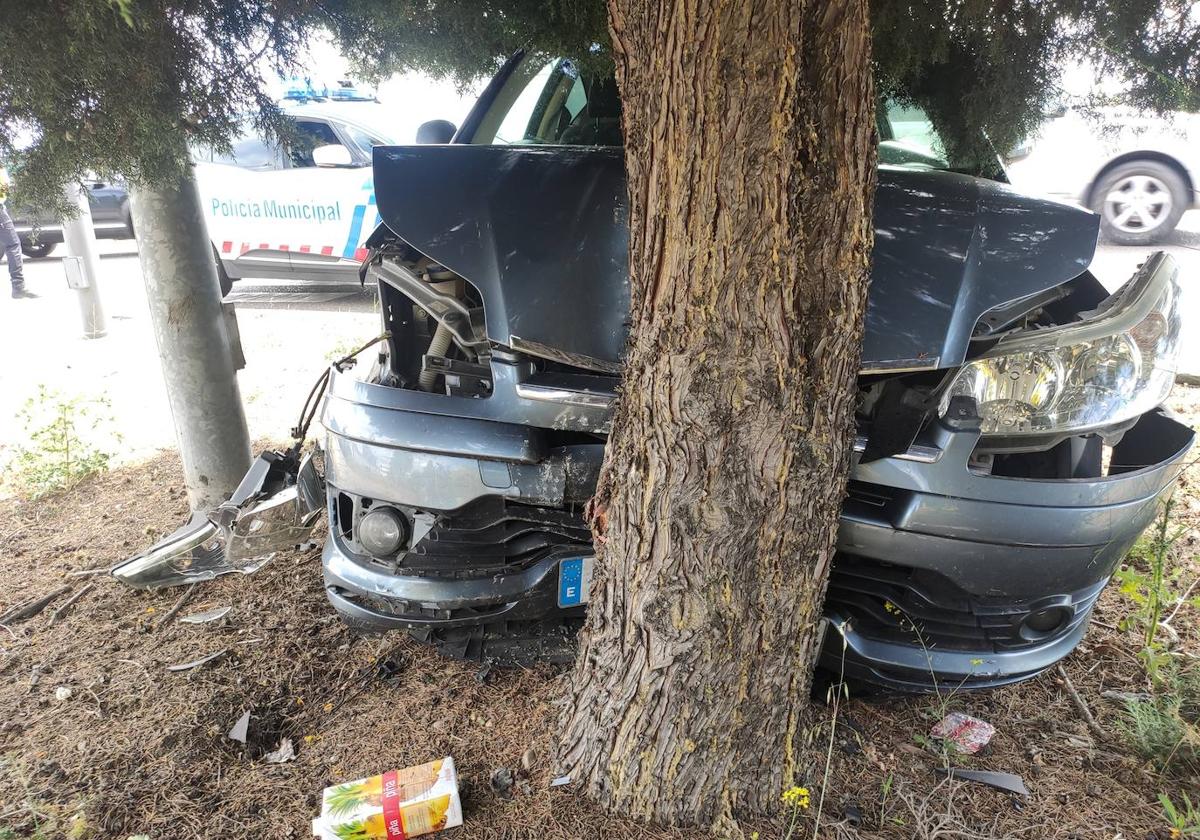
(749,147)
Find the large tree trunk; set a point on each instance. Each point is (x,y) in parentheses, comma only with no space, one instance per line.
(749,147)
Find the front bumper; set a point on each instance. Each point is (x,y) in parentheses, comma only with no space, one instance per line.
(373,602)
(943,575)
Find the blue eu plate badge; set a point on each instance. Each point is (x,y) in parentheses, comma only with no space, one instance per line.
(574,581)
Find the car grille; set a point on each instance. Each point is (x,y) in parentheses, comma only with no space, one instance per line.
(913,606)
(495,535)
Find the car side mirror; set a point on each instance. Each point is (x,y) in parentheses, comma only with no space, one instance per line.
(436,132)
(333,154)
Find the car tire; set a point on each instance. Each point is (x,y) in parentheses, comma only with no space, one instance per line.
(1139,202)
(38,251)
(223,278)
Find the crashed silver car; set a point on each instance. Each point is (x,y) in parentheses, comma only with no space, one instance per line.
(1011,442)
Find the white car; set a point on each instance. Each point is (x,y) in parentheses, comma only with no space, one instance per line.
(298,213)
(1138,171)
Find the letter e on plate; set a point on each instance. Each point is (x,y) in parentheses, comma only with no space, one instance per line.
(574,581)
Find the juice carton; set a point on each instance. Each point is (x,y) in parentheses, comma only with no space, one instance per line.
(392,806)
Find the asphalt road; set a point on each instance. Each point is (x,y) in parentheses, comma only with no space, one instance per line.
(289,334)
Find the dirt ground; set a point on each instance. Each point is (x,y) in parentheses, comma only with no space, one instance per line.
(137,749)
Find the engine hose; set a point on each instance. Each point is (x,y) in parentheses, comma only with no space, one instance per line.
(437,347)
(313,403)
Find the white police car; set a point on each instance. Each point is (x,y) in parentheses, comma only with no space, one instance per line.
(298,213)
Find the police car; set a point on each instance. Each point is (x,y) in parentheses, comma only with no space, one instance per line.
(298,212)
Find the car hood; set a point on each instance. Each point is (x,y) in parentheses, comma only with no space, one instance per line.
(543,234)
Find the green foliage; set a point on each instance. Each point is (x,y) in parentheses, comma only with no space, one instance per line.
(991,69)
(11,834)
(55,456)
(1148,584)
(985,72)
(119,86)
(1184,819)
(1165,727)
(465,40)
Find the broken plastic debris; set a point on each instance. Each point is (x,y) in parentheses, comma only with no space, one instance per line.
(206,616)
(502,782)
(1002,781)
(63,692)
(286,752)
(400,803)
(273,509)
(239,730)
(196,663)
(560,781)
(389,670)
(968,734)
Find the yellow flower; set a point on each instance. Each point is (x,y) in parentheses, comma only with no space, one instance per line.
(796,797)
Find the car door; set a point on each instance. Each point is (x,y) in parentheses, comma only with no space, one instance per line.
(232,187)
(273,213)
(108,203)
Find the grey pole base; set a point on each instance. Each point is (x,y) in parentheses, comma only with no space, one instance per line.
(193,339)
(81,244)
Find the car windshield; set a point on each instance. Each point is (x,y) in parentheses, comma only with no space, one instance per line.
(364,140)
(553,102)
(309,135)
(247,151)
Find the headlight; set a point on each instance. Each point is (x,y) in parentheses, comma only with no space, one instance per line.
(1112,366)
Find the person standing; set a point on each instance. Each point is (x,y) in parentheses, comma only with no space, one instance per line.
(11,243)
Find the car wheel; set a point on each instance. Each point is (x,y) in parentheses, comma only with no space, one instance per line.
(36,252)
(222,275)
(1139,202)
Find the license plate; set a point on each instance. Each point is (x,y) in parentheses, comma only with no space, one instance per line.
(574,581)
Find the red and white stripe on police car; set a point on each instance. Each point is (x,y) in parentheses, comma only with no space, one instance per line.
(360,254)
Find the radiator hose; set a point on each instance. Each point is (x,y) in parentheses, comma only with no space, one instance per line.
(437,347)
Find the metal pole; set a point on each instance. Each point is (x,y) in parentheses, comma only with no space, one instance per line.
(194,342)
(83,263)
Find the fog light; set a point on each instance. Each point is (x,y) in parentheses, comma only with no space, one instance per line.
(381,532)
(1045,622)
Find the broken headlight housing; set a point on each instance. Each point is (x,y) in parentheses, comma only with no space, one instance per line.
(1110,367)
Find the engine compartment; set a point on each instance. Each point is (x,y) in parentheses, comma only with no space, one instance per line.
(438,343)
